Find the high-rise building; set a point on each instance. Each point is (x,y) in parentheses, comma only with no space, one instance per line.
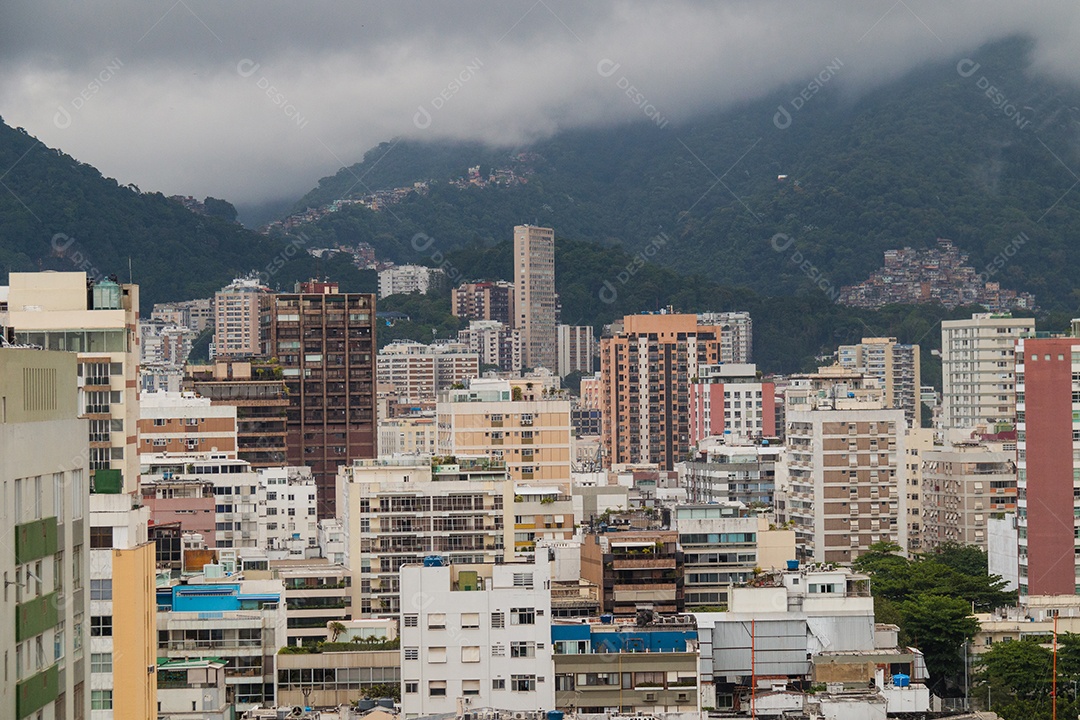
(196,315)
(845,486)
(325,343)
(920,440)
(896,368)
(535,301)
(736,335)
(397,511)
(647,364)
(485,301)
(532,436)
(1047,403)
(99,322)
(962,486)
(406,279)
(236,318)
(494,343)
(418,372)
(576,349)
(731,399)
(634,569)
(977,369)
(407,436)
(726,469)
(43,510)
(257,391)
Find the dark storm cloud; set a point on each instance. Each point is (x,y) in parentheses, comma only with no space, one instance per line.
(249,100)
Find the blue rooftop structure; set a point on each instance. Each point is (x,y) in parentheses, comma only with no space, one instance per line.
(605,638)
(212,598)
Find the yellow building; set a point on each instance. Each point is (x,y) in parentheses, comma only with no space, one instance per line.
(135,640)
(531,436)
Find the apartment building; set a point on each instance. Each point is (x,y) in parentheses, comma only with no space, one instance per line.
(535,299)
(317,593)
(258,393)
(647,364)
(123,638)
(532,437)
(288,497)
(99,322)
(919,442)
(614,666)
(236,318)
(407,279)
(541,514)
(419,372)
(635,570)
(723,545)
(479,635)
(494,343)
(184,423)
(1047,406)
(896,368)
(577,349)
(845,485)
(408,436)
(486,301)
(723,470)
(196,315)
(345,676)
(241,622)
(163,344)
(962,486)
(193,690)
(44,475)
(591,392)
(736,335)
(325,343)
(397,511)
(731,399)
(977,369)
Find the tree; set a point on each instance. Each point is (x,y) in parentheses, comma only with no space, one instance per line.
(382,690)
(336,629)
(939,626)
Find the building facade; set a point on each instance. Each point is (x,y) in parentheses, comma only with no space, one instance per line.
(731,399)
(635,570)
(325,343)
(406,279)
(962,486)
(736,335)
(896,368)
(977,370)
(418,372)
(535,299)
(647,364)
(577,349)
(486,301)
(494,343)
(236,318)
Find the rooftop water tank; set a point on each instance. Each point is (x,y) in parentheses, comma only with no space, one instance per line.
(901,680)
(607,619)
(792,564)
(433,561)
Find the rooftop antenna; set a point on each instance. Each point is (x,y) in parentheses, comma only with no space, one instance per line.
(131,280)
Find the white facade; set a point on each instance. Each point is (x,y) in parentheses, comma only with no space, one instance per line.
(978,369)
(494,343)
(1002,542)
(736,335)
(407,436)
(486,647)
(577,349)
(418,372)
(287,496)
(332,541)
(405,279)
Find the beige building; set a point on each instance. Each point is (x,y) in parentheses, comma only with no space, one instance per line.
(185,423)
(896,368)
(407,436)
(236,318)
(99,322)
(399,510)
(978,369)
(535,301)
(963,484)
(416,372)
(919,442)
(577,349)
(844,484)
(531,436)
(541,514)
(43,512)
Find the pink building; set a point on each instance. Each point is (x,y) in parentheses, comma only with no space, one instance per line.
(731,398)
(188,502)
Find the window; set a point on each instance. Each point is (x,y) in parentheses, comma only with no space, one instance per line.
(470,653)
(101,626)
(470,687)
(412,620)
(523,683)
(101,700)
(412,687)
(522,616)
(436,621)
(522,649)
(523,580)
(498,684)
(437,688)
(101,663)
(470,620)
(412,653)
(436,655)
(101,589)
(101,537)
(498,620)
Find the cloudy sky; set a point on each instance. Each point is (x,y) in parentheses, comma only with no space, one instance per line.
(255,100)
